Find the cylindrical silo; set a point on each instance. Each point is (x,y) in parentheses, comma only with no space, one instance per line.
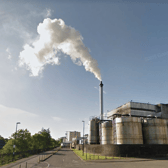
(127,130)
(155,131)
(106,132)
(94,131)
(167,129)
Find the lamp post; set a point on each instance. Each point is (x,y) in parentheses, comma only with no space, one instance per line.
(83,135)
(16,127)
(15,137)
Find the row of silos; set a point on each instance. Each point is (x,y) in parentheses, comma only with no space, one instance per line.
(131,130)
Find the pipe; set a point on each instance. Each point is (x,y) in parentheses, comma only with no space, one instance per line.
(101,99)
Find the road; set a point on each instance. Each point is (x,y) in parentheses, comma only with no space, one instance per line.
(31,161)
(65,158)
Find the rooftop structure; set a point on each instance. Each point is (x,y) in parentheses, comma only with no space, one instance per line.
(136,109)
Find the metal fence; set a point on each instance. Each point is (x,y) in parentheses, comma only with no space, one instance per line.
(6,158)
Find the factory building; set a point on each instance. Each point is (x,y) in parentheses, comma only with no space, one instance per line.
(72,134)
(134,129)
(140,110)
(132,123)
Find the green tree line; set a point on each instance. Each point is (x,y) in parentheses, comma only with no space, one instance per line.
(23,141)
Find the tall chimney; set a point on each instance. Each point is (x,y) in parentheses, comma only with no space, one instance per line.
(101,99)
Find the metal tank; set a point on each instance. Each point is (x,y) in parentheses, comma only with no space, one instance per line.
(155,131)
(167,128)
(94,131)
(127,130)
(106,132)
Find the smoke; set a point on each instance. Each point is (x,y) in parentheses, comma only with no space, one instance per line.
(55,36)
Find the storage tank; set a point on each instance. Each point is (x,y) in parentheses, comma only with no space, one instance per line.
(127,130)
(167,129)
(106,132)
(155,131)
(94,131)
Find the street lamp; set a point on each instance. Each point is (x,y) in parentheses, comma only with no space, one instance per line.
(16,127)
(15,137)
(83,135)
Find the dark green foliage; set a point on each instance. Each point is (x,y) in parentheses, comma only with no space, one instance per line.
(24,141)
(25,144)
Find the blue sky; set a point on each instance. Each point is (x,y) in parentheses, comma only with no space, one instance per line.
(128,40)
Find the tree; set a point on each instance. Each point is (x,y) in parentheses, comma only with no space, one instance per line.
(37,141)
(2,138)
(46,138)
(42,139)
(8,148)
(22,140)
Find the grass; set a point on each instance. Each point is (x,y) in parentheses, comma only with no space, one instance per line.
(89,156)
(9,158)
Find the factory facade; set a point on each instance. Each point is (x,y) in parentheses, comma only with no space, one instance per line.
(133,129)
(135,109)
(72,134)
(132,123)
(68,140)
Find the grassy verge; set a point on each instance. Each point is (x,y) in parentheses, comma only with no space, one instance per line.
(9,158)
(88,156)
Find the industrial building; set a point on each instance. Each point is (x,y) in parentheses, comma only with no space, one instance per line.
(72,134)
(70,137)
(136,109)
(134,125)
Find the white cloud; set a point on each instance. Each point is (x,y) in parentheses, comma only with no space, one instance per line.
(57,119)
(33,122)
(15,25)
(98,89)
(156,56)
(9,117)
(14,69)
(14,112)
(48,12)
(9,53)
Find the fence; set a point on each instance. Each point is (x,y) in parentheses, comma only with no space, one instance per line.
(6,158)
(148,150)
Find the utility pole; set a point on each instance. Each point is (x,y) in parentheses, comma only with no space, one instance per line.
(83,135)
(15,139)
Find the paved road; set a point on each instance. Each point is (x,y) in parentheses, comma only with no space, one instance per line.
(65,158)
(31,161)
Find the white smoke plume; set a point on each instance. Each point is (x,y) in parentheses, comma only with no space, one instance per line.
(55,36)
